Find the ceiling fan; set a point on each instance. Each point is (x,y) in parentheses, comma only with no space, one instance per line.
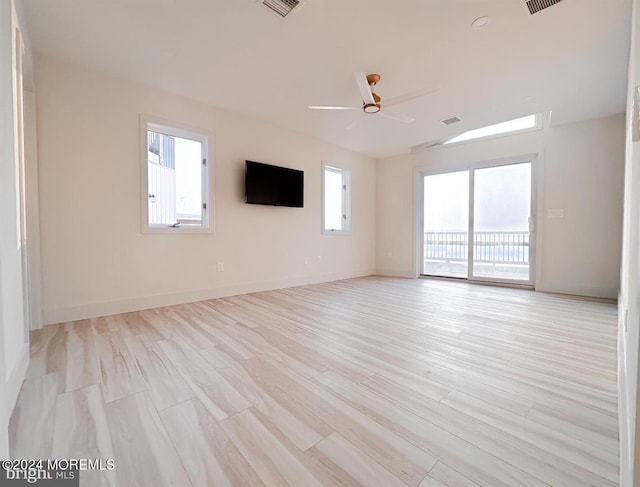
(372,103)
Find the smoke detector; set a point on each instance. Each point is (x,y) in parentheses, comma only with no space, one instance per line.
(481,22)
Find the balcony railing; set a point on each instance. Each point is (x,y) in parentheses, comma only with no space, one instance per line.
(488,247)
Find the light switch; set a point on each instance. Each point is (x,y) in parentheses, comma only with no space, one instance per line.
(555,213)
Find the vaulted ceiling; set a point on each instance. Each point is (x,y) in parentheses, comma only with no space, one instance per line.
(570,58)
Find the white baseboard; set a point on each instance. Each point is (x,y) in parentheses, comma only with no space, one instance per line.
(585,291)
(17,375)
(395,273)
(73,313)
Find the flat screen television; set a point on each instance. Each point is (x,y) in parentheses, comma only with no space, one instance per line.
(273,185)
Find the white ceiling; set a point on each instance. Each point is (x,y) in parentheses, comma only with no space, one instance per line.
(571,58)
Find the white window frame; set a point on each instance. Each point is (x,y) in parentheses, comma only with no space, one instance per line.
(149,123)
(346,199)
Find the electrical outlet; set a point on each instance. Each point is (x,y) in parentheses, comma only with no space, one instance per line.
(220,266)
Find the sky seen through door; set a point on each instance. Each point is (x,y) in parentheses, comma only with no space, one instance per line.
(446,202)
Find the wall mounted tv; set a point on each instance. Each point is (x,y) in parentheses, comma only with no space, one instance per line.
(265,184)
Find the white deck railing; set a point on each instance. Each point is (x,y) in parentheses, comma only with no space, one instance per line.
(491,247)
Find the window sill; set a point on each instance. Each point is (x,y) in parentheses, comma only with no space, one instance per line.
(336,232)
(177,230)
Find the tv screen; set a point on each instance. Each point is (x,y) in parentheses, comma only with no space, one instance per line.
(273,185)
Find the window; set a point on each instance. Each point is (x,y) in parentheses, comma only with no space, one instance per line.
(523,124)
(175,165)
(510,127)
(336,205)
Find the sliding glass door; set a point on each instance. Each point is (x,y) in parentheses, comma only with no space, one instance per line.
(501,217)
(490,207)
(446,225)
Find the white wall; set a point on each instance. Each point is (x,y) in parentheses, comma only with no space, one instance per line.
(13,337)
(96,261)
(584,175)
(629,301)
(579,169)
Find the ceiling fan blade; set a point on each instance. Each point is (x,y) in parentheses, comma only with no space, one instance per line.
(327,107)
(396,100)
(363,86)
(396,116)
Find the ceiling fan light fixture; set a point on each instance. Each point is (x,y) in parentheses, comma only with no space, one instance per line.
(371,107)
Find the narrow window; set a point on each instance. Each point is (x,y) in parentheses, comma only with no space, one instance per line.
(176,168)
(518,125)
(336,205)
(510,127)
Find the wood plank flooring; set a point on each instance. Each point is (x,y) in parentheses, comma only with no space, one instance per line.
(373,381)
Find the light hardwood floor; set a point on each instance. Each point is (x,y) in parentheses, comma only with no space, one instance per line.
(373,381)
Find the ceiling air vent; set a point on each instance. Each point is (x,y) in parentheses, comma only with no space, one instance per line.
(280,7)
(536,6)
(450,121)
